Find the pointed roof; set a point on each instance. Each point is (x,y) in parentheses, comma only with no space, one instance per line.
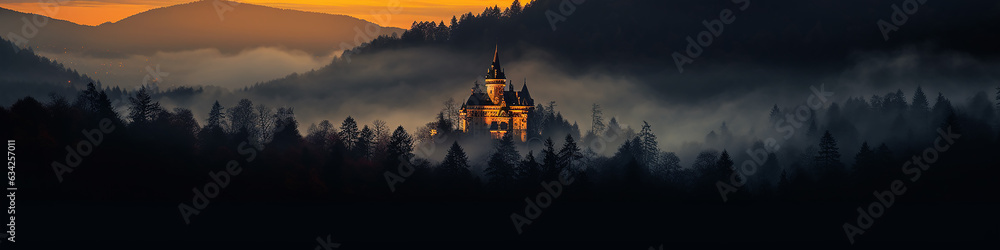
(524,88)
(525,95)
(496,55)
(478,99)
(495,71)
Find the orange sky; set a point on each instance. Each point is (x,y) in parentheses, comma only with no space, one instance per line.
(95,12)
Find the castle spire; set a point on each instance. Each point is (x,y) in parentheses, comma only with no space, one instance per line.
(524,96)
(495,71)
(496,55)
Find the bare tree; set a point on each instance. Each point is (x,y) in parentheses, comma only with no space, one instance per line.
(451,112)
(243,118)
(552,108)
(265,125)
(381,130)
(423,133)
(381,138)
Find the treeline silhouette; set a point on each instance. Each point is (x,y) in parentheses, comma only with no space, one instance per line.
(157,154)
(22,72)
(636,32)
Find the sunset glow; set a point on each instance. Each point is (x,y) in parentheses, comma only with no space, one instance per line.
(96,12)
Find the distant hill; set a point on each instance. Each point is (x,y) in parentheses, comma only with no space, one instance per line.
(23,73)
(197,25)
(636,38)
(649,32)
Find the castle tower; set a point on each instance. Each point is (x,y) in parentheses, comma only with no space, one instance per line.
(495,79)
(501,110)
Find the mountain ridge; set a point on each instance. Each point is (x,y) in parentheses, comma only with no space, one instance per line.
(22,72)
(195,25)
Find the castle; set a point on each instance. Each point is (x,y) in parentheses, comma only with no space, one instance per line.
(498,111)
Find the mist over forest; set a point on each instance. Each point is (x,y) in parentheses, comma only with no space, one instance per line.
(800,123)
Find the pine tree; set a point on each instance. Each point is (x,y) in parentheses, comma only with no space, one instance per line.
(864,157)
(530,170)
(828,156)
(365,143)
(502,163)
(216,117)
(569,154)
(550,161)
(650,148)
(143,109)
(920,105)
(900,100)
(349,133)
(96,102)
(998,97)
(513,10)
(725,165)
(636,149)
(597,120)
(441,33)
(213,134)
(625,150)
(941,102)
(942,110)
(456,163)
(400,147)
